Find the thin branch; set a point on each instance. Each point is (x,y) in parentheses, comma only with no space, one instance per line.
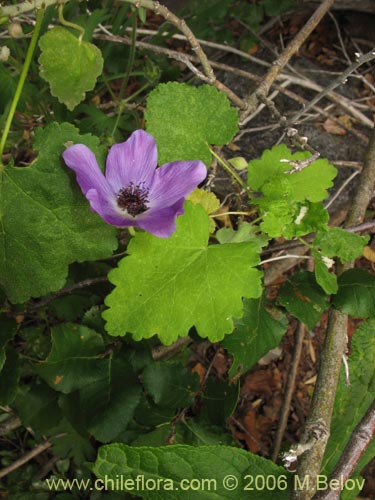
(11,424)
(21,8)
(362,59)
(336,98)
(66,291)
(342,188)
(289,390)
(25,458)
(355,448)
(195,46)
(290,50)
(287,256)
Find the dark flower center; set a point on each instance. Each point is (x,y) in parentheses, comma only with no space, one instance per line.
(133,199)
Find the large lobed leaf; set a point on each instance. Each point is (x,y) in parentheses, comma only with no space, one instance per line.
(183,119)
(45,221)
(167,286)
(217,472)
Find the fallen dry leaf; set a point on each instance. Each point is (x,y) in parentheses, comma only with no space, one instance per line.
(332,128)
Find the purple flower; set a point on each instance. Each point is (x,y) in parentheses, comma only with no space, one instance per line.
(133,191)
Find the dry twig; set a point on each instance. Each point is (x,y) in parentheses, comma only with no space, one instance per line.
(355,448)
(290,50)
(289,390)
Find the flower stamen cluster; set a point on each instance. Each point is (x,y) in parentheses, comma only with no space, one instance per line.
(133,199)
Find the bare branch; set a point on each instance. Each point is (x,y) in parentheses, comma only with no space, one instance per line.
(290,50)
(355,448)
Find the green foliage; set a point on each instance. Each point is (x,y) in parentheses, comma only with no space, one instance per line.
(157,291)
(352,401)
(170,384)
(8,329)
(335,241)
(290,205)
(70,66)
(326,279)
(107,405)
(260,330)
(356,294)
(244,232)
(303,298)
(46,221)
(10,375)
(219,401)
(172,464)
(60,371)
(184,119)
(38,408)
(75,358)
(98,400)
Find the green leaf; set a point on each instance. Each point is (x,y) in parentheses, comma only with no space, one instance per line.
(275,7)
(260,330)
(10,375)
(291,205)
(157,290)
(198,434)
(310,184)
(183,119)
(8,329)
(173,467)
(352,401)
(38,408)
(46,222)
(277,215)
(149,414)
(70,67)
(338,242)
(290,219)
(303,298)
(75,358)
(356,294)
(109,404)
(245,232)
(219,400)
(327,280)
(70,443)
(170,384)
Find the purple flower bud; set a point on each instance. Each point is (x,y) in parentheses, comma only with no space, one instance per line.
(133,191)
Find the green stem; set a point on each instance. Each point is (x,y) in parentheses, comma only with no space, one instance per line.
(21,83)
(68,24)
(125,81)
(134,94)
(225,165)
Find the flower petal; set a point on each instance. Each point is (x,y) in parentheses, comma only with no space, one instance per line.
(89,176)
(106,209)
(175,180)
(161,222)
(133,161)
